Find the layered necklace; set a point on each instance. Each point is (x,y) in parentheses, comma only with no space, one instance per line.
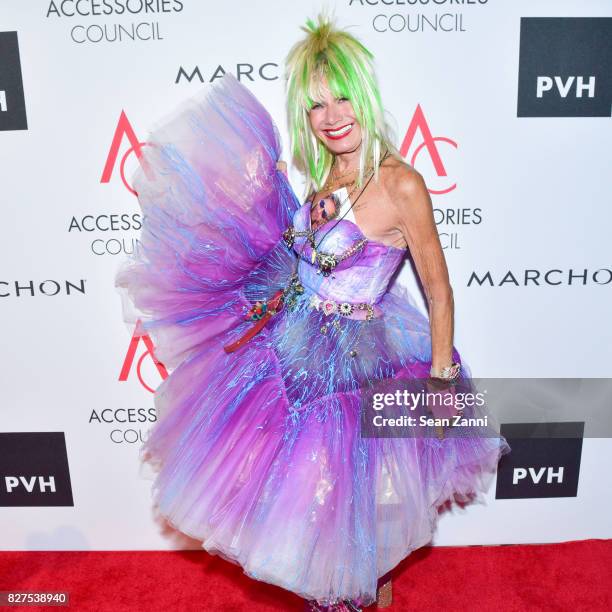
(327,266)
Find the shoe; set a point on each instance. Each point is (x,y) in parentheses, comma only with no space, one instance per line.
(384,593)
(342,606)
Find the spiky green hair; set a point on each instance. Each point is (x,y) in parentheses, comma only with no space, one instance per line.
(348,68)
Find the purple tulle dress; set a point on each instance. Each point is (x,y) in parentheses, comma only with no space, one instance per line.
(258,452)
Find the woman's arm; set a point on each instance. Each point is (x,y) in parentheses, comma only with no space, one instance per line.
(417,224)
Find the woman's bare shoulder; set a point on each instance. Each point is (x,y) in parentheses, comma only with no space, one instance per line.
(401,182)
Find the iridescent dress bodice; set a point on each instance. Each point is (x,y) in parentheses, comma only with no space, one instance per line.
(362,269)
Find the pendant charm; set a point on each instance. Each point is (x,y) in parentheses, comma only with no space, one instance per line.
(327,262)
(289,236)
(257,311)
(328,307)
(291,292)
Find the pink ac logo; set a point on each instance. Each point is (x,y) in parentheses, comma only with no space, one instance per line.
(130,355)
(429,143)
(124,128)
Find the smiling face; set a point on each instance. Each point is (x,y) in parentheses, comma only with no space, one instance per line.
(333,122)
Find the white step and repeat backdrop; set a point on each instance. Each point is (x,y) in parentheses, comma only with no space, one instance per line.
(503,106)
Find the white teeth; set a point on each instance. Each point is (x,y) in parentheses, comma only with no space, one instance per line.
(343,130)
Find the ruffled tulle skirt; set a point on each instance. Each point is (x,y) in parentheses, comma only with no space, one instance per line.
(259,453)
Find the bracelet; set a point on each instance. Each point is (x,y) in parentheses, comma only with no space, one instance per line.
(448,373)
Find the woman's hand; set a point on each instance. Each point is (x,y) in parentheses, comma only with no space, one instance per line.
(282,166)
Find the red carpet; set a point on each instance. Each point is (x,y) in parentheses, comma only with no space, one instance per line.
(569,576)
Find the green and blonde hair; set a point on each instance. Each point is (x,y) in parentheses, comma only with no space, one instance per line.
(348,67)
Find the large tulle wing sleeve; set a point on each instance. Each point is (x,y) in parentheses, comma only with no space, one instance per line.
(214,207)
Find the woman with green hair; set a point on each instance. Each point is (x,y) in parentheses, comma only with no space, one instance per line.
(284,328)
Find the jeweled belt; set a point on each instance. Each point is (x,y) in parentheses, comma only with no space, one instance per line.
(352,310)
